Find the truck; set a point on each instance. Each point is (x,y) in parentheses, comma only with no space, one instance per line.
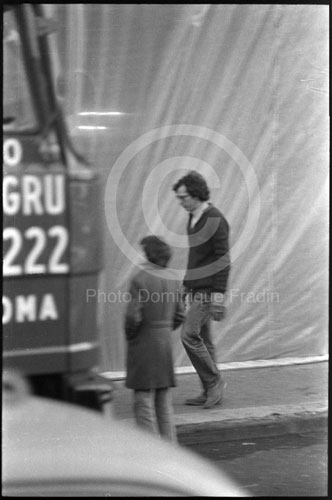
(52,234)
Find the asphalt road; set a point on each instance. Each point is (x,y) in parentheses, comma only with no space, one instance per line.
(293,465)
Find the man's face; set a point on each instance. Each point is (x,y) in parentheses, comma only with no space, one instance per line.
(188,202)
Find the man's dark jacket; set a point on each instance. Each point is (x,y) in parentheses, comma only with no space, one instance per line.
(208,261)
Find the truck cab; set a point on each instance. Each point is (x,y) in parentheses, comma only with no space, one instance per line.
(52,238)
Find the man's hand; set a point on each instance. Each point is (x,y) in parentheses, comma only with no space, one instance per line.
(217,308)
(183,291)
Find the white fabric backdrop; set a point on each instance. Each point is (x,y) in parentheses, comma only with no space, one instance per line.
(250,83)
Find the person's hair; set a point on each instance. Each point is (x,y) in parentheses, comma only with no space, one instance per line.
(156,250)
(196,185)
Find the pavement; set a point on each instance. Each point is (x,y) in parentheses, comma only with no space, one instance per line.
(257,402)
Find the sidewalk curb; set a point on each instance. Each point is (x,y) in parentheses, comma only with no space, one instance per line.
(273,424)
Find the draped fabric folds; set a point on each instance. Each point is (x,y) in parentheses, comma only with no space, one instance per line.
(240,94)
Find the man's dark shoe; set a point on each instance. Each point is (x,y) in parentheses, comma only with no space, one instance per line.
(215,395)
(198,401)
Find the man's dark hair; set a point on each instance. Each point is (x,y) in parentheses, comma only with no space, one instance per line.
(195,184)
(156,250)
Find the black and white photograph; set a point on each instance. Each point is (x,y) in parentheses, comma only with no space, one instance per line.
(165,249)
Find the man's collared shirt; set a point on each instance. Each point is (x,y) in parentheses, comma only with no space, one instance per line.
(197,214)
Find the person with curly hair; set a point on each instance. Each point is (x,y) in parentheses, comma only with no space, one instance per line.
(154,310)
(204,284)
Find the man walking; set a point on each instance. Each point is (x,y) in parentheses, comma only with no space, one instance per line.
(204,284)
